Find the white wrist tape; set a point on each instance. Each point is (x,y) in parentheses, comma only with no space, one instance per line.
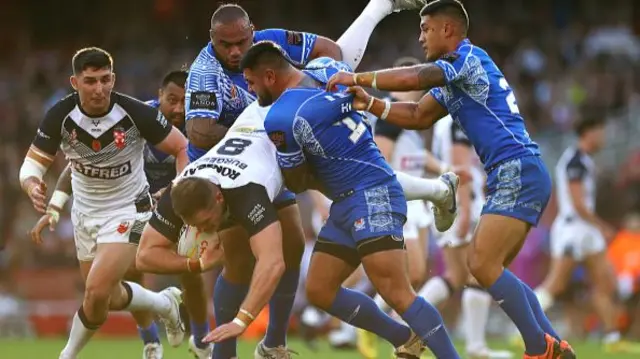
(239,322)
(387,108)
(59,199)
(31,168)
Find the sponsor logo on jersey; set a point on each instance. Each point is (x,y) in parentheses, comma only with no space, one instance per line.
(221,170)
(114,172)
(278,139)
(256,214)
(294,38)
(358,225)
(119,138)
(201,100)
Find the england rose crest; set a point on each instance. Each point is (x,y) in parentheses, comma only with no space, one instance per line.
(119,138)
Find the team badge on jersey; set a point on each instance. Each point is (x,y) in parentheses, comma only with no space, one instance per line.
(294,38)
(123,227)
(96,145)
(119,138)
(277,137)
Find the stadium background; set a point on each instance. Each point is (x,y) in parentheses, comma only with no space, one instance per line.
(564,58)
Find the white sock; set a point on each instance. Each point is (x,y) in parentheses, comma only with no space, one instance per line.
(354,40)
(612,337)
(435,291)
(544,297)
(416,188)
(78,337)
(381,303)
(144,299)
(475,314)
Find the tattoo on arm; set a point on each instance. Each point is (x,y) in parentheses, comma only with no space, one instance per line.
(204,132)
(429,76)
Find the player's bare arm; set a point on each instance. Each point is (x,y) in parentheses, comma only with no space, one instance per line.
(205,133)
(409,115)
(300,179)
(325,47)
(412,78)
(175,144)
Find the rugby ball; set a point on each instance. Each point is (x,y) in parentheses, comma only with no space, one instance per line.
(193,242)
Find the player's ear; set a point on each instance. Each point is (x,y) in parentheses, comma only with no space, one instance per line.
(113,78)
(253,28)
(270,76)
(74,82)
(160,92)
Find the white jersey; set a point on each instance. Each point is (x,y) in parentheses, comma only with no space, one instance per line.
(243,164)
(106,152)
(447,132)
(575,165)
(409,154)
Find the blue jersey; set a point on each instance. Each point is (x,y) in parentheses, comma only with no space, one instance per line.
(220,94)
(159,167)
(480,100)
(320,128)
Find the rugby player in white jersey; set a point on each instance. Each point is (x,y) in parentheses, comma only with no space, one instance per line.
(230,188)
(578,234)
(103,134)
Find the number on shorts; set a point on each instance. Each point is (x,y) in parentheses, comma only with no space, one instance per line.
(233,146)
(357,130)
(511,98)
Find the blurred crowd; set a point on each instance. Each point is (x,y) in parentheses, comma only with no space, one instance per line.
(562,57)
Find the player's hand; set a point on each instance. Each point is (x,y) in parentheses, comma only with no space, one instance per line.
(47,220)
(361,98)
(340,78)
(211,255)
(37,192)
(223,332)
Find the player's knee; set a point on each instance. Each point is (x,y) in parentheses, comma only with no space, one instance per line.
(457,277)
(483,268)
(319,294)
(97,294)
(417,275)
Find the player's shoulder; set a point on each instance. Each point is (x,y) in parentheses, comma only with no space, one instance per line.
(131,104)
(64,106)
(206,62)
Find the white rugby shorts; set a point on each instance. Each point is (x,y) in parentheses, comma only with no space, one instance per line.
(575,238)
(419,216)
(115,227)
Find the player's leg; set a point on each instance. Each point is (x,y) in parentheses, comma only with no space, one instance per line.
(354,40)
(195,301)
(232,284)
(281,303)
(333,260)
(440,288)
(603,289)
(376,220)
(147,328)
(518,192)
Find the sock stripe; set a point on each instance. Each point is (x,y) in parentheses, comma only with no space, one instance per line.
(85,321)
(127,288)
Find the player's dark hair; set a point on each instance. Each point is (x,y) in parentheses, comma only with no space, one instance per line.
(589,122)
(178,77)
(227,13)
(91,57)
(266,53)
(191,195)
(451,8)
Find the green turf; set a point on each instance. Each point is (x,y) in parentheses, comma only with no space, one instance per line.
(125,349)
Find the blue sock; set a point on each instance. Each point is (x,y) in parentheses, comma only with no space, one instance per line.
(149,335)
(512,298)
(425,321)
(199,331)
(227,298)
(280,307)
(361,311)
(538,313)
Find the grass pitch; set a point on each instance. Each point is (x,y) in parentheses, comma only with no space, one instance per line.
(131,348)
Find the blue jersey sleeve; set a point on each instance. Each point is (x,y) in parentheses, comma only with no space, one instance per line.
(453,63)
(204,89)
(437,94)
(297,45)
(280,131)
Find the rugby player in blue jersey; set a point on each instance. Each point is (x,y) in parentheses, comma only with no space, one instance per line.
(216,94)
(323,144)
(463,81)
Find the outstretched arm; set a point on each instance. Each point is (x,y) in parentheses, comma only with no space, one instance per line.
(413,78)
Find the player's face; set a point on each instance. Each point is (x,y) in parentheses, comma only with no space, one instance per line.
(172,103)
(597,137)
(94,88)
(231,41)
(432,37)
(261,83)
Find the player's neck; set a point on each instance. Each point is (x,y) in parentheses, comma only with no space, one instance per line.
(293,79)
